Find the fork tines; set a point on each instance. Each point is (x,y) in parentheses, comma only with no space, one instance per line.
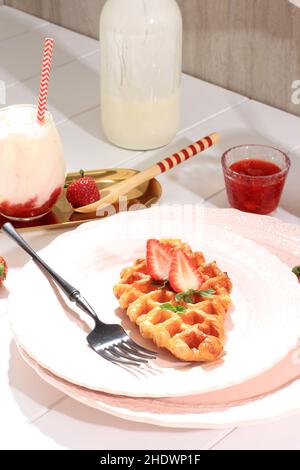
(127,352)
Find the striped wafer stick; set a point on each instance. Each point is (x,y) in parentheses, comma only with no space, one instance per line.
(112,193)
(47,58)
(188,152)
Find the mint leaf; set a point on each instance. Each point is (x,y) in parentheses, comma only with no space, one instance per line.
(188,295)
(296,270)
(185,296)
(1,270)
(173,308)
(207,293)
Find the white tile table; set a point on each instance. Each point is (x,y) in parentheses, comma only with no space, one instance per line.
(33,414)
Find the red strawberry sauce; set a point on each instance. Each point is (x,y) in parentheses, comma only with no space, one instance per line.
(248,191)
(28,209)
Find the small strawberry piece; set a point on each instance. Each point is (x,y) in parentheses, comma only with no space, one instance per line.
(158,260)
(82,192)
(184,274)
(3,270)
(296,271)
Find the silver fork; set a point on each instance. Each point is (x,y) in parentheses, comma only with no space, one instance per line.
(110,341)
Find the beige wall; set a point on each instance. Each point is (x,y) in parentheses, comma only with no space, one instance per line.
(249,46)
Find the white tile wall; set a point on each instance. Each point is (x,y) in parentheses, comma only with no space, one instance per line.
(15,23)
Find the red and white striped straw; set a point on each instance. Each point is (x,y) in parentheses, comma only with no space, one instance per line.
(47,58)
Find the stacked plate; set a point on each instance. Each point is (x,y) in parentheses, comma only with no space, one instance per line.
(256,379)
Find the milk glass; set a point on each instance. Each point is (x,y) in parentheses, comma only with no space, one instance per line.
(32,167)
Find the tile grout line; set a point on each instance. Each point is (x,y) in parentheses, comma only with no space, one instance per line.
(42,25)
(222,438)
(214,115)
(181,132)
(294,149)
(66,119)
(40,414)
(56,67)
(127,160)
(215,194)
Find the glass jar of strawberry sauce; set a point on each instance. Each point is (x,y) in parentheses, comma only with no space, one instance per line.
(254,177)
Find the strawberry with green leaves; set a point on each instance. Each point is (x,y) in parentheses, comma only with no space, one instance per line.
(3,270)
(82,191)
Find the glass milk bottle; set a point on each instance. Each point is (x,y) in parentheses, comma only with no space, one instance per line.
(141,54)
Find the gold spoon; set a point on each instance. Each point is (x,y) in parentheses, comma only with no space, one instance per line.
(111,194)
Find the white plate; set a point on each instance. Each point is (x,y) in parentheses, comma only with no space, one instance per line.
(282,403)
(187,411)
(261,328)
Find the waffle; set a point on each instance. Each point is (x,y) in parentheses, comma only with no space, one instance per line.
(197,334)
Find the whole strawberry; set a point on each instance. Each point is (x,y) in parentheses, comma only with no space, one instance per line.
(3,270)
(82,191)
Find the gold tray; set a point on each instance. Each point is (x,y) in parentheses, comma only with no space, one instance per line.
(63,216)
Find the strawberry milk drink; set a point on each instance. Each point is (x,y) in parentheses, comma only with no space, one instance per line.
(32,168)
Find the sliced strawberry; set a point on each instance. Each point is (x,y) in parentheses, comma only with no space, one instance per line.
(3,270)
(184,274)
(159,258)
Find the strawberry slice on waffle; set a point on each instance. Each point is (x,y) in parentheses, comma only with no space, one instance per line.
(184,274)
(159,257)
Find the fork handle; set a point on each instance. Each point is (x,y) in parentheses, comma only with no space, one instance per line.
(71,292)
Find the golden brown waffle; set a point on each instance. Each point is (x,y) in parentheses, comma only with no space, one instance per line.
(197,334)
